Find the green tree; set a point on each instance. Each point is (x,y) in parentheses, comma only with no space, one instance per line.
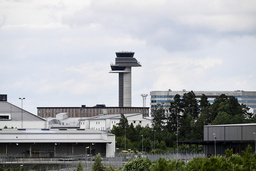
(190,105)
(204,103)
(159,117)
(79,167)
(97,165)
(175,111)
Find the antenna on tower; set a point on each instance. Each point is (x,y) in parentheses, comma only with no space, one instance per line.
(144,96)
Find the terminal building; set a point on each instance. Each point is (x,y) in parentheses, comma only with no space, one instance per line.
(164,97)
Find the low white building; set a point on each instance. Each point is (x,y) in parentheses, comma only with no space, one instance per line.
(106,122)
(12,116)
(54,143)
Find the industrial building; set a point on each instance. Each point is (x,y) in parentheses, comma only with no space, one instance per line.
(84,111)
(164,97)
(55,143)
(218,138)
(124,62)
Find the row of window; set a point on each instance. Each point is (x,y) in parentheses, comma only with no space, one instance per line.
(199,96)
(75,111)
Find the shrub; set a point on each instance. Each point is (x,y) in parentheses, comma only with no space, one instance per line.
(139,164)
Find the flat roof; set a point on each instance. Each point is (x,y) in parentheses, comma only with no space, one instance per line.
(53,136)
(244,124)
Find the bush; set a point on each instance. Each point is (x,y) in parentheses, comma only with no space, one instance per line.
(166,165)
(139,164)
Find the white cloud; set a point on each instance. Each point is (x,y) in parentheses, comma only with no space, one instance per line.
(62,49)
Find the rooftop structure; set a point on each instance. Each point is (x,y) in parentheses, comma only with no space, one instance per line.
(124,62)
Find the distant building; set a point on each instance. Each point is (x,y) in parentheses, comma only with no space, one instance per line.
(164,97)
(85,111)
(218,138)
(12,116)
(106,122)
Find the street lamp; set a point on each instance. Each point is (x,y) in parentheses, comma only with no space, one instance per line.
(254,133)
(154,141)
(142,144)
(22,110)
(125,139)
(177,136)
(214,136)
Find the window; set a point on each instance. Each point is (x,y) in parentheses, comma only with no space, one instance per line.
(134,121)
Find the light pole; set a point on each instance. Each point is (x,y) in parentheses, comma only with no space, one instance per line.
(154,141)
(142,144)
(125,139)
(214,136)
(22,110)
(254,133)
(177,136)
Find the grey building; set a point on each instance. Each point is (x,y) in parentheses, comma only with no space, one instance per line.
(218,138)
(124,62)
(164,97)
(12,116)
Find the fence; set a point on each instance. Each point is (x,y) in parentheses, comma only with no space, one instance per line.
(71,162)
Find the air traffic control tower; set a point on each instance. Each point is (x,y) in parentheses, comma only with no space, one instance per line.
(124,63)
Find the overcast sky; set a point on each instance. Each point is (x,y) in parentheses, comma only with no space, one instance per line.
(58,53)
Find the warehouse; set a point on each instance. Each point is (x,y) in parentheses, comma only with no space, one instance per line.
(218,138)
(55,143)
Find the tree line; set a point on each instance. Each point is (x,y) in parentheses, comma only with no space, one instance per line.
(183,120)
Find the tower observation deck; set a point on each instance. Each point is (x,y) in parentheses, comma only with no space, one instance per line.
(124,62)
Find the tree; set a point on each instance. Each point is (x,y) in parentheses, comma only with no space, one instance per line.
(204,103)
(175,111)
(97,165)
(159,117)
(190,104)
(79,167)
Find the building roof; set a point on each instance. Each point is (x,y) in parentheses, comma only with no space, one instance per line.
(225,125)
(112,116)
(53,135)
(16,112)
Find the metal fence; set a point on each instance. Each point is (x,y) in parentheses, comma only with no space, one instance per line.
(71,162)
